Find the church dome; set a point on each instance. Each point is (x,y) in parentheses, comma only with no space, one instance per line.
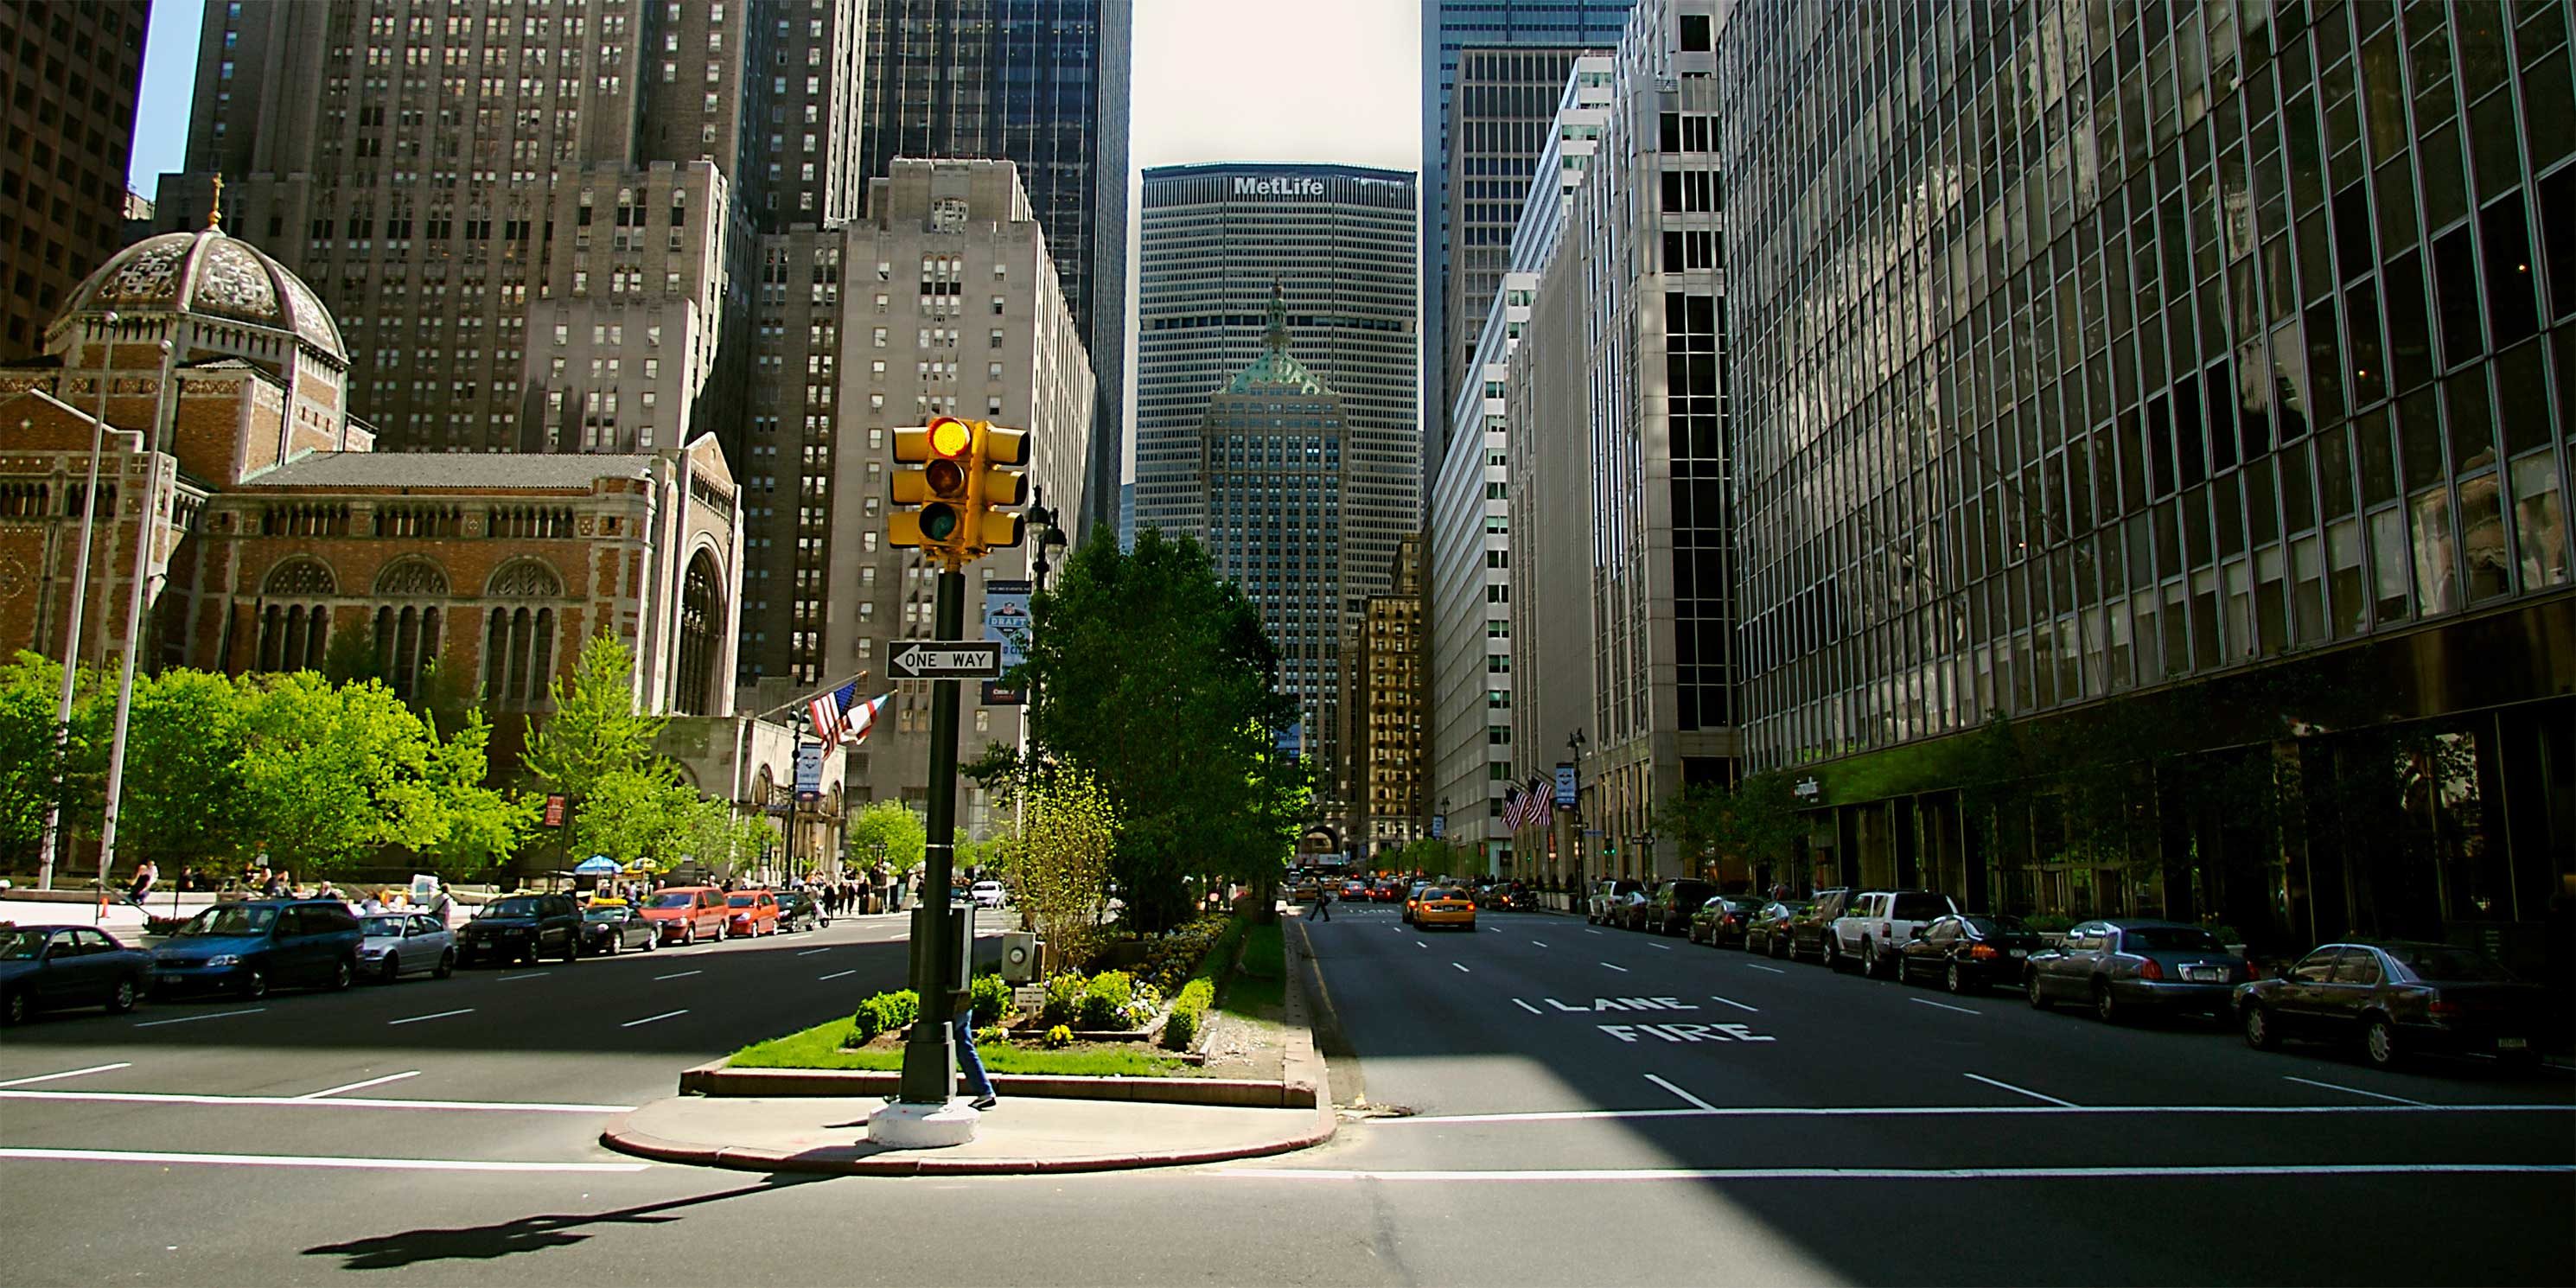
(209,274)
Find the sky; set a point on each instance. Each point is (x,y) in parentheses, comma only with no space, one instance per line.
(1215,80)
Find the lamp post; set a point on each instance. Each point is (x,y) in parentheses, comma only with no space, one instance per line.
(145,524)
(53,838)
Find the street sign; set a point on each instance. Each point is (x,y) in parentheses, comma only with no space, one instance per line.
(945,660)
(809,771)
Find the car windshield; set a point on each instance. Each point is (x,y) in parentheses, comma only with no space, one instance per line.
(605,914)
(230,919)
(1997,925)
(380,926)
(740,901)
(675,899)
(509,908)
(2179,939)
(21,945)
(2436,962)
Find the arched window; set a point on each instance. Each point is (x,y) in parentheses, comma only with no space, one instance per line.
(702,618)
(519,633)
(294,627)
(408,634)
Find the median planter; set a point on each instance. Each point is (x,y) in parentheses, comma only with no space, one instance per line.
(1296,1091)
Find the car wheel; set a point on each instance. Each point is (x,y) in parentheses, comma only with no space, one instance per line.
(254,983)
(689,935)
(2259,1032)
(2030,989)
(391,971)
(2379,1043)
(1870,967)
(654,941)
(572,949)
(2106,1006)
(446,965)
(122,1000)
(1955,979)
(611,950)
(16,1009)
(1825,953)
(1778,949)
(343,973)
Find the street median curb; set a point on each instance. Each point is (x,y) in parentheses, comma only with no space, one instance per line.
(1291,1092)
(855,1160)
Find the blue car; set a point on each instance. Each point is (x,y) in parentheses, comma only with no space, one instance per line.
(251,946)
(44,967)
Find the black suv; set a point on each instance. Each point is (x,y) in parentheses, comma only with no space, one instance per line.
(517,926)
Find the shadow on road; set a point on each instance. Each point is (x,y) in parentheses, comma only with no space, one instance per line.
(524,1234)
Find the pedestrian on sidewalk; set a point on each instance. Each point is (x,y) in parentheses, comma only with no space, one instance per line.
(145,875)
(1323,905)
(970,1062)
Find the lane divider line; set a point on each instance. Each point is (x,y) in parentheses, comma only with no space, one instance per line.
(1902,1173)
(360,1086)
(1736,1004)
(651,1018)
(1590,931)
(191,1019)
(1773,969)
(312,1160)
(68,1073)
(2333,1086)
(298,1102)
(438,1016)
(1461,969)
(1661,947)
(1943,1005)
(535,974)
(811,951)
(1419,944)
(2023,1091)
(1948,1111)
(1527,1007)
(682,975)
(1540,942)
(1694,1101)
(835,975)
(1621,969)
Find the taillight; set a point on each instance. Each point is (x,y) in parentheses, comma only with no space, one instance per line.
(1982,951)
(2149,969)
(2442,1010)
(2253,969)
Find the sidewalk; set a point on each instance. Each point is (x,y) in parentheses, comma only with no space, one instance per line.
(1024,1135)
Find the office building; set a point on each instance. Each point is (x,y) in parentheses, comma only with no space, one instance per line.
(1384,734)
(1449,29)
(1045,85)
(2181,395)
(69,74)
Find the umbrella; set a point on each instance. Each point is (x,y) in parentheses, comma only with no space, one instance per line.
(595,866)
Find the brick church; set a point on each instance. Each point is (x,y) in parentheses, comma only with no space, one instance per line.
(215,387)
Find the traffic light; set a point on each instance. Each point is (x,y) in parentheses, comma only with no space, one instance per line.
(941,484)
(996,449)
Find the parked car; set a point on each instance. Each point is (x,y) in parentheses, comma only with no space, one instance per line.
(755,913)
(1668,908)
(1768,931)
(247,946)
(610,928)
(985,894)
(1812,927)
(395,944)
(1604,895)
(1445,906)
(43,968)
(1969,953)
(2397,999)
(1873,930)
(1721,920)
(798,910)
(687,914)
(2121,965)
(522,927)
(1413,899)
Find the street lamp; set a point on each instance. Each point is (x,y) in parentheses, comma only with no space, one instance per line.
(1574,743)
(53,832)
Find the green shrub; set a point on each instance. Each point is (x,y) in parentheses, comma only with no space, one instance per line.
(992,998)
(1059,1036)
(991,1035)
(1182,1027)
(1063,998)
(1105,999)
(885,1013)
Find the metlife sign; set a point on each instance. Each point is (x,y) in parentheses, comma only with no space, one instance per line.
(1251,186)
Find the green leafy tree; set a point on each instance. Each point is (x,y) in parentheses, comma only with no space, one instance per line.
(328,775)
(1061,861)
(479,827)
(888,832)
(30,686)
(630,814)
(186,744)
(594,730)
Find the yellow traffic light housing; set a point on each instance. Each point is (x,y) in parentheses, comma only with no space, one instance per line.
(998,486)
(957,476)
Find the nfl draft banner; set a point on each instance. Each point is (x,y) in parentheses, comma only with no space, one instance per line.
(1006,622)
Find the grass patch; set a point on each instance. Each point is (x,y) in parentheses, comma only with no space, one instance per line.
(1259,989)
(820,1048)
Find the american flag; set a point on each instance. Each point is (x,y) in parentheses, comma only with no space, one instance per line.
(1517,809)
(835,721)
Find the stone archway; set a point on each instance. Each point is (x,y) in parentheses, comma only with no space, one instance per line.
(702,623)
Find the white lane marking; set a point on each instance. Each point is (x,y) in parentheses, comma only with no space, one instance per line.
(835,975)
(1590,931)
(1956,1111)
(298,1102)
(1773,969)
(811,951)
(1661,947)
(534,974)
(1900,1173)
(2025,1091)
(682,975)
(1527,1007)
(68,1073)
(438,1015)
(1462,970)
(1621,969)
(1540,942)
(1736,1004)
(210,1015)
(313,1160)
(2333,1086)
(1496,929)
(1944,1006)
(651,1018)
(1694,1101)
(1419,944)
(360,1086)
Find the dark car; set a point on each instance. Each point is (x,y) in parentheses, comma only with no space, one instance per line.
(612,928)
(522,927)
(1813,926)
(1668,910)
(2120,966)
(1608,899)
(1768,931)
(1969,952)
(253,944)
(2397,999)
(43,968)
(1721,920)
(798,911)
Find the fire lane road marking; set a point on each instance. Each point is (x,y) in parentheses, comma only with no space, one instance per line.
(69,1073)
(651,1018)
(2025,1091)
(2331,1086)
(360,1086)
(1736,1004)
(1694,1101)
(1527,1007)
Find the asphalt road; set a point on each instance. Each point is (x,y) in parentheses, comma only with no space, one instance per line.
(1842,1130)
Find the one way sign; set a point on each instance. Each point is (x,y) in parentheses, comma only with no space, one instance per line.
(945,660)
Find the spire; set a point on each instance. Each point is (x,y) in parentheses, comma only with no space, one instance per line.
(215,214)
(1276,339)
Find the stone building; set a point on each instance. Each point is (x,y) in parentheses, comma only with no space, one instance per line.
(69,74)
(1383,690)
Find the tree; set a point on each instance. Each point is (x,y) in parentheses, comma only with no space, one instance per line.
(30,687)
(1153,674)
(594,731)
(888,832)
(186,744)
(632,814)
(479,827)
(328,775)
(1061,860)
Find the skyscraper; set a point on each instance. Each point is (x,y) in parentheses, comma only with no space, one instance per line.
(1044,84)
(68,77)
(1450,27)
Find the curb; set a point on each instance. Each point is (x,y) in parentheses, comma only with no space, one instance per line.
(714,1079)
(898,1163)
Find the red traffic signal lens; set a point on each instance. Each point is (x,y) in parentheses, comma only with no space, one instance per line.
(938,522)
(946,478)
(951,437)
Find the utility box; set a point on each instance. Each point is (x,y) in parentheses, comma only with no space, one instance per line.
(1020,952)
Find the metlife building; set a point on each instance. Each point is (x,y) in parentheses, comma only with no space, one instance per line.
(1339,241)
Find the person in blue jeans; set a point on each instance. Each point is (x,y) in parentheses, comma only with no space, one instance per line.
(970,1063)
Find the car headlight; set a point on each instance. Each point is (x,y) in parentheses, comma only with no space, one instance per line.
(369,951)
(224,959)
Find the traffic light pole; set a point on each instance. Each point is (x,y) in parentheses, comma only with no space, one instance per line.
(930,1051)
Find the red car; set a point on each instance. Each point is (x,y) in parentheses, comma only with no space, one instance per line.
(751,912)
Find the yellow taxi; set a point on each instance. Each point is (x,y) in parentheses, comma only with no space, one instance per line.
(1444,906)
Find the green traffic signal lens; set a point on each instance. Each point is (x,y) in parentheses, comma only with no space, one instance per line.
(938,522)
